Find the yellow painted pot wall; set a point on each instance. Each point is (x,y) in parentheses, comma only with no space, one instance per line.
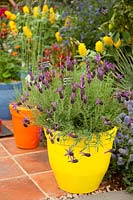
(86,175)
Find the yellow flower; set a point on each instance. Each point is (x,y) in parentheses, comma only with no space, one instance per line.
(26,9)
(82,49)
(45,8)
(12,25)
(118,43)
(27,32)
(68,22)
(10,15)
(36,11)
(99,46)
(108,40)
(58,37)
(52,16)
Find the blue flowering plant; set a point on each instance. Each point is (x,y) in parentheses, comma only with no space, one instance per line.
(122,157)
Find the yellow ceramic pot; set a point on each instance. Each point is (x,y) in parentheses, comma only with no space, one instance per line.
(86,175)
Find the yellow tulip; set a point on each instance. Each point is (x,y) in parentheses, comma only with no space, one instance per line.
(10,15)
(12,25)
(45,8)
(52,16)
(108,40)
(26,9)
(58,37)
(36,11)
(118,43)
(82,49)
(27,32)
(99,47)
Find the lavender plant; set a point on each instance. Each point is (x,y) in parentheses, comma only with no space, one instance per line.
(77,103)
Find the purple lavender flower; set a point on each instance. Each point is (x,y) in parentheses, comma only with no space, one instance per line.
(85,154)
(39,107)
(15,107)
(39,87)
(119,77)
(99,101)
(74,87)
(73,135)
(82,81)
(49,112)
(53,105)
(98,58)
(108,66)
(31,76)
(55,126)
(46,83)
(84,99)
(26,122)
(100,73)
(89,76)
(69,63)
(60,90)
(73,97)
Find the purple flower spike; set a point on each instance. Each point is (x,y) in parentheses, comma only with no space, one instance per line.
(119,77)
(100,73)
(89,76)
(46,83)
(38,85)
(53,105)
(73,135)
(26,122)
(55,126)
(73,96)
(99,101)
(53,72)
(98,58)
(49,112)
(84,99)
(59,90)
(74,87)
(82,81)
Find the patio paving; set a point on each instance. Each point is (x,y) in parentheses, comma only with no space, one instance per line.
(25,174)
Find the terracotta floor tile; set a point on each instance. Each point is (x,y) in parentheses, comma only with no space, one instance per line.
(48,183)
(10,145)
(3,153)
(19,189)
(8,168)
(34,162)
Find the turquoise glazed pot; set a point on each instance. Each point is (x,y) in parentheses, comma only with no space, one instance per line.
(7,95)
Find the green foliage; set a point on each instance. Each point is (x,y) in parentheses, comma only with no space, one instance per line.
(124,65)
(9,67)
(120,24)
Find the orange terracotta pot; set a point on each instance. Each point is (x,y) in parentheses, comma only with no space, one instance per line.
(25,137)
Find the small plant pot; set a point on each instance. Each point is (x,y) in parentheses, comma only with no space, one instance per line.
(26,135)
(86,175)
